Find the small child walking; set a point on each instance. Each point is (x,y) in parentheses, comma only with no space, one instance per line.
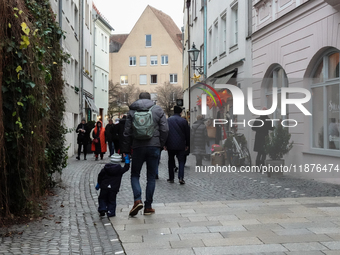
(109,180)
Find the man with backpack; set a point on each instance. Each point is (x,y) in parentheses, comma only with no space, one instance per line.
(146,131)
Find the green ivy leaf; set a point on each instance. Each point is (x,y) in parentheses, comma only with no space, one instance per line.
(25,28)
(14,113)
(15,9)
(19,103)
(18,69)
(32,84)
(9,25)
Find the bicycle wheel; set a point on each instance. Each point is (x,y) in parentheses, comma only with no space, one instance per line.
(246,161)
(234,157)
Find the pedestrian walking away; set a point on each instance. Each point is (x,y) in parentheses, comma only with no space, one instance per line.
(83,137)
(177,144)
(109,131)
(115,136)
(199,139)
(146,131)
(98,140)
(261,127)
(109,180)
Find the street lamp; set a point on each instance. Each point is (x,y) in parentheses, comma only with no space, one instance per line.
(193,52)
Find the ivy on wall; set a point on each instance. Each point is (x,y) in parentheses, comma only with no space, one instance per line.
(32,143)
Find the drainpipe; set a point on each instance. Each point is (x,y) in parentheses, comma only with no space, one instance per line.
(81,56)
(60,18)
(205,39)
(95,18)
(189,65)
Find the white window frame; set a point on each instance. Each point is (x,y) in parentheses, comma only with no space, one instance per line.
(125,82)
(146,41)
(223,38)
(141,63)
(172,77)
(153,60)
(164,60)
(234,24)
(140,79)
(132,60)
(324,84)
(153,83)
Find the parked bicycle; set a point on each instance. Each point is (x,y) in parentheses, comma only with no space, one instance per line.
(237,151)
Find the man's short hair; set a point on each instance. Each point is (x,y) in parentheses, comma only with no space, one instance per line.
(144,95)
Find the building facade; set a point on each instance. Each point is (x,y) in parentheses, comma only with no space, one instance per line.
(296,44)
(102,32)
(150,56)
(68,15)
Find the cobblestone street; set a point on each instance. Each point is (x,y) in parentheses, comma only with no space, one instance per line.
(76,227)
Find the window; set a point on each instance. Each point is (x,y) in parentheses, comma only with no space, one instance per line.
(102,37)
(193,6)
(147,40)
(105,49)
(326,115)
(210,48)
(124,80)
(153,79)
(132,61)
(153,60)
(234,24)
(142,60)
(216,41)
(105,82)
(142,79)
(277,79)
(223,37)
(201,55)
(165,59)
(173,78)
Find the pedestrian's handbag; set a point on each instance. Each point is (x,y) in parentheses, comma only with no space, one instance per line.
(211,132)
(95,140)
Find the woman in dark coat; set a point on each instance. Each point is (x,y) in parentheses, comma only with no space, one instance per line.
(83,137)
(260,137)
(199,139)
(98,134)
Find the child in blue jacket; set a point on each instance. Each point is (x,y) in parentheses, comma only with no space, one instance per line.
(109,180)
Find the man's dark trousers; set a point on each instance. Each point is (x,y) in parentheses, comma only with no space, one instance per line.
(180,154)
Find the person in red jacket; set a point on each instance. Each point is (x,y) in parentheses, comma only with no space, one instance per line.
(98,140)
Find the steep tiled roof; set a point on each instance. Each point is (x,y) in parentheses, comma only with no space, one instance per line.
(170,26)
(119,38)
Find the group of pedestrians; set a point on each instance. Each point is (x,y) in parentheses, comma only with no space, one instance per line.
(112,134)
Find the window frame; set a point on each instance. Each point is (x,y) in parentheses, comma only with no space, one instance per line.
(146,41)
(167,58)
(154,58)
(135,60)
(126,82)
(146,79)
(173,75)
(153,83)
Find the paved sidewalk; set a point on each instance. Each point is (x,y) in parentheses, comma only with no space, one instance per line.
(72,224)
(294,226)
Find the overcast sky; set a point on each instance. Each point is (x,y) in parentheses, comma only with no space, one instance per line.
(123,14)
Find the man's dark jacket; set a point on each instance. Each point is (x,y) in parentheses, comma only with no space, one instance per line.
(110,176)
(261,132)
(161,126)
(109,132)
(179,133)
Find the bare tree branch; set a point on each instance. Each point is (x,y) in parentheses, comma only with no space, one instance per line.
(167,95)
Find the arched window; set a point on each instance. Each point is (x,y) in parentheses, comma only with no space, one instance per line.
(277,78)
(325,102)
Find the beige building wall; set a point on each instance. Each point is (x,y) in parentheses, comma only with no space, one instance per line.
(135,46)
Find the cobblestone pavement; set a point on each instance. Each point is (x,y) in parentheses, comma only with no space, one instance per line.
(225,186)
(76,227)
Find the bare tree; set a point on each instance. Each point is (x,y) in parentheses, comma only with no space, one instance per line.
(120,97)
(167,95)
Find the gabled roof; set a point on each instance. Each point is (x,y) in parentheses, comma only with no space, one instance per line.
(119,38)
(169,26)
(101,17)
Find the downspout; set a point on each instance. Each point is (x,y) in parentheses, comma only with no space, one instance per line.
(81,57)
(189,65)
(94,58)
(205,39)
(60,18)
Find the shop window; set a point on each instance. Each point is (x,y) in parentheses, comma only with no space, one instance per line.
(326,115)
